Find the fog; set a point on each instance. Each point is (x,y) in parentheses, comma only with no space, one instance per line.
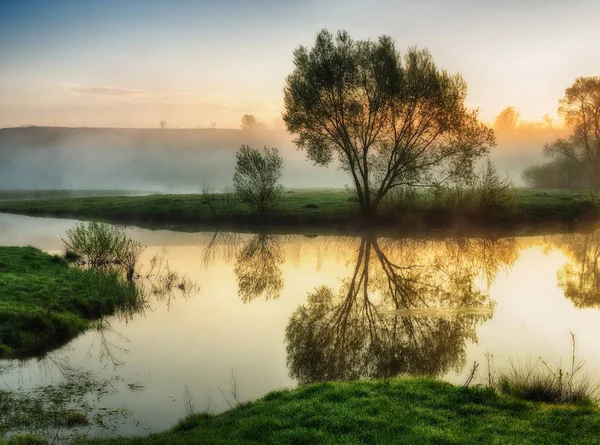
(522,147)
(180,160)
(142,159)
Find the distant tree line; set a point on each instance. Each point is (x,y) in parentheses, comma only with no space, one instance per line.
(573,162)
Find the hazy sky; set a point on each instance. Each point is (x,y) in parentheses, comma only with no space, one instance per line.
(134,63)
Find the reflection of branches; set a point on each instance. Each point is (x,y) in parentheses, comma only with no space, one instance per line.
(394,314)
(486,256)
(257,262)
(225,244)
(107,348)
(257,268)
(580,278)
(162,282)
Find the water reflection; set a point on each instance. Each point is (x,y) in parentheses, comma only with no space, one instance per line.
(108,349)
(408,307)
(257,263)
(63,410)
(580,277)
(258,268)
(425,304)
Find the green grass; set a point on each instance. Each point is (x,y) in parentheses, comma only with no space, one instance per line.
(564,205)
(45,194)
(44,302)
(308,208)
(332,206)
(400,411)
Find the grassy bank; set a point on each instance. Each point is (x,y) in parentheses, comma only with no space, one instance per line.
(44,302)
(311,208)
(402,411)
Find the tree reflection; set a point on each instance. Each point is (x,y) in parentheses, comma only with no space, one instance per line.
(580,277)
(409,306)
(257,268)
(257,263)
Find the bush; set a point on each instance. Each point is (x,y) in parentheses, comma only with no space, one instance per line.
(256,178)
(488,197)
(101,245)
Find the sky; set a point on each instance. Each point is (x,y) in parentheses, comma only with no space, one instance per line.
(119,63)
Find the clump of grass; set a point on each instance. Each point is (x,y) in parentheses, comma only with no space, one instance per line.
(539,382)
(71,256)
(25,439)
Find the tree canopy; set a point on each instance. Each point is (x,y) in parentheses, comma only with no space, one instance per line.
(390,120)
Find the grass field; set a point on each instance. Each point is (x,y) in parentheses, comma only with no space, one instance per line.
(44,302)
(8,195)
(314,207)
(399,411)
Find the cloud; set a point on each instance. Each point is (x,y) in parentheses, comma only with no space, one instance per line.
(107,91)
(170,100)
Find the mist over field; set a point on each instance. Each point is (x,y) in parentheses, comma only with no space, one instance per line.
(143,159)
(180,160)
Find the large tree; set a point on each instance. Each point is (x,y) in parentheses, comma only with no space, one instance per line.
(391,121)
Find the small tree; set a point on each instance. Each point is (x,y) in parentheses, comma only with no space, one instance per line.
(250,123)
(163,125)
(256,178)
(507,119)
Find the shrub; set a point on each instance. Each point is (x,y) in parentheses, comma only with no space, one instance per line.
(488,197)
(101,245)
(256,178)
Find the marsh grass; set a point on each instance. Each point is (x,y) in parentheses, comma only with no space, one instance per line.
(59,412)
(537,381)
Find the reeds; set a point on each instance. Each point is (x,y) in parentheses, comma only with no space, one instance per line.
(537,381)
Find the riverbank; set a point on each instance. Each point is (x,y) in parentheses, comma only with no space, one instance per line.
(324,210)
(45,302)
(404,410)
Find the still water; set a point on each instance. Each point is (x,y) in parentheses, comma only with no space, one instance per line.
(272,312)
